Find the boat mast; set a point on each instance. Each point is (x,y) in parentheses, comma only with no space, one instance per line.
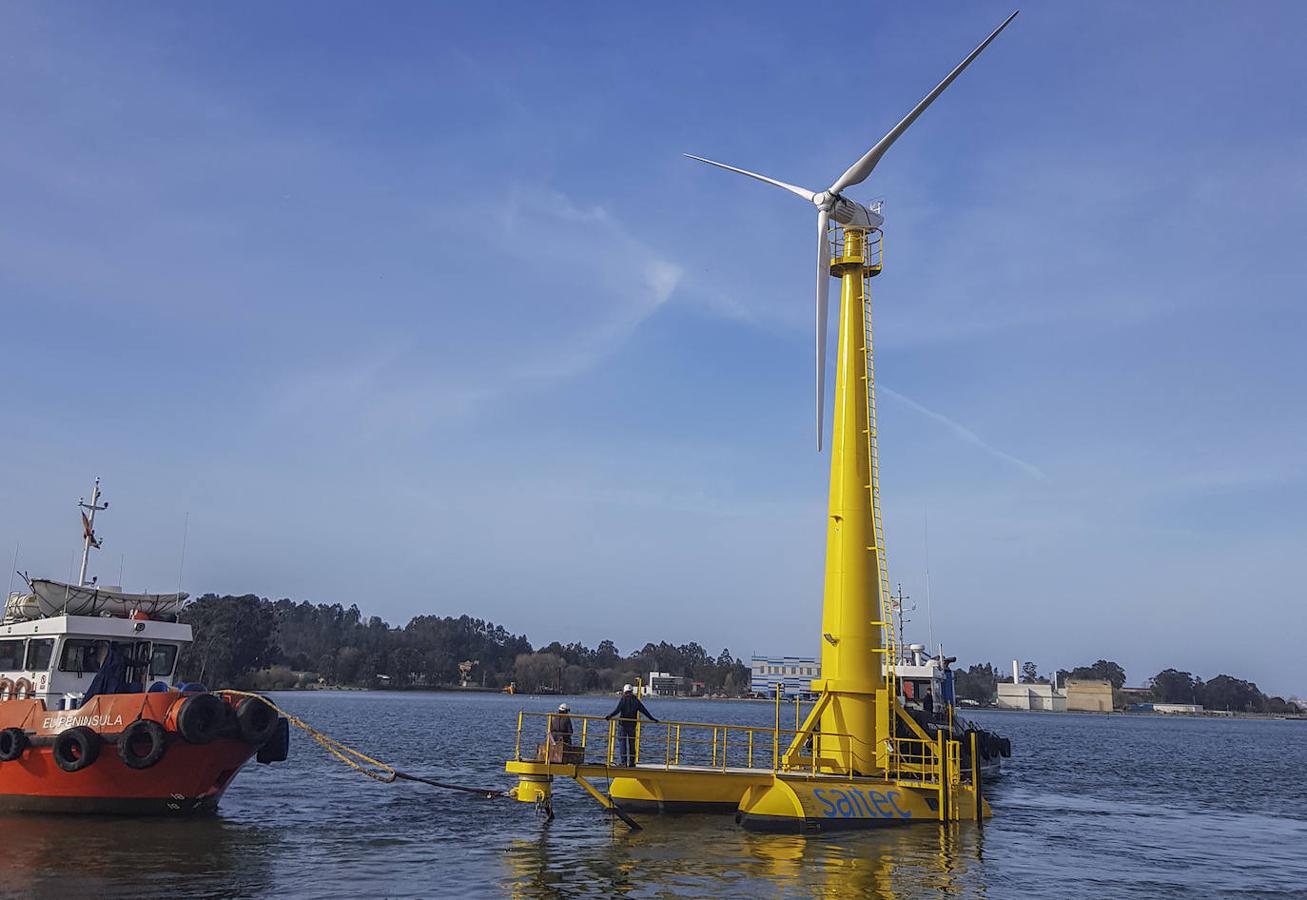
(89,539)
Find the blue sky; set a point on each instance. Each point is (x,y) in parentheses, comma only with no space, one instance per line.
(419,307)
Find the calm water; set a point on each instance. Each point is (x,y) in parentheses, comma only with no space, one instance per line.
(1093,806)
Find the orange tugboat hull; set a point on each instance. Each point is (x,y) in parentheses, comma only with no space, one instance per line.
(187,777)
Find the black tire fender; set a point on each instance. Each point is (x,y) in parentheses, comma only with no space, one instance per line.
(13,741)
(142,729)
(256,720)
(200,718)
(1005,747)
(75,749)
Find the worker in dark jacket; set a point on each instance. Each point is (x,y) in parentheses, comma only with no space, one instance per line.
(628,712)
(560,725)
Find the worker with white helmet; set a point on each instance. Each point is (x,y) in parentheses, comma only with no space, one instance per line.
(628,712)
(560,726)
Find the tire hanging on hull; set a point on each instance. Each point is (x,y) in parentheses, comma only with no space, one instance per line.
(76,748)
(142,729)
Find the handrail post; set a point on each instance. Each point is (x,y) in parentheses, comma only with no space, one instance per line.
(584,723)
(714,746)
(667,754)
(635,758)
(517,751)
(776,735)
(678,744)
(611,728)
(750,748)
(975,775)
(726,735)
(942,778)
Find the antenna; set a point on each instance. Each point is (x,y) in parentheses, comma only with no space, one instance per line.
(902,612)
(12,573)
(89,539)
(181,566)
(930,607)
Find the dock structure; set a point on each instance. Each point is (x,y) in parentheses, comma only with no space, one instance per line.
(858,759)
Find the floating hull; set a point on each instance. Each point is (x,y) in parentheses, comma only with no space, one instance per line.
(804,806)
(188,779)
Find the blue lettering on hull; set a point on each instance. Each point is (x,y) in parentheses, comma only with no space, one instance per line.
(852,803)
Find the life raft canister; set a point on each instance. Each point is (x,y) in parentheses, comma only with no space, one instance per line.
(144,734)
(256,721)
(76,748)
(13,741)
(198,718)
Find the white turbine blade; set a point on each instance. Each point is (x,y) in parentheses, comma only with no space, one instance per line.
(805,194)
(858,172)
(823,291)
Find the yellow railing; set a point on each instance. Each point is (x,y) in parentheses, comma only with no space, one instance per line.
(868,251)
(699,745)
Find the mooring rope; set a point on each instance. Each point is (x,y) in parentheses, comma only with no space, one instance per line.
(359,761)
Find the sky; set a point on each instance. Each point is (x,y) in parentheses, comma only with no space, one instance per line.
(419,307)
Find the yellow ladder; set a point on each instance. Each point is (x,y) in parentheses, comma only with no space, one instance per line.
(888,638)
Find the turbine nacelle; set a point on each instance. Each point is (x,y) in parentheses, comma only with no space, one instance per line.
(832,204)
(853,214)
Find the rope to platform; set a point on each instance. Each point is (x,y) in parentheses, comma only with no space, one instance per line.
(357,760)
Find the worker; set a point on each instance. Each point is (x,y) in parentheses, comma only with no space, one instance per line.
(111,672)
(560,725)
(628,710)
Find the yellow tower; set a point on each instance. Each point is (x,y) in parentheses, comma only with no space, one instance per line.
(855,704)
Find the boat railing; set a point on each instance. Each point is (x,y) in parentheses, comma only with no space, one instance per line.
(595,740)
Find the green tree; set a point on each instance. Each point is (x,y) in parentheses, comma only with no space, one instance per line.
(233,637)
(1234,694)
(1102,670)
(977,682)
(1173,686)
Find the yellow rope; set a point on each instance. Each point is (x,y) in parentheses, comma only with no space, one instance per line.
(353,758)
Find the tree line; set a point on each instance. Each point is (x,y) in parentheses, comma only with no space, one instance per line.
(980,682)
(249,641)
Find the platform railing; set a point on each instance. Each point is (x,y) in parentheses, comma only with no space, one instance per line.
(694,745)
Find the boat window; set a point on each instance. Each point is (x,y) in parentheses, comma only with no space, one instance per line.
(11,655)
(39,651)
(78,656)
(162,660)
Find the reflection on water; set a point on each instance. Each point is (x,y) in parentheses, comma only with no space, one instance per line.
(103,856)
(696,854)
(1093,806)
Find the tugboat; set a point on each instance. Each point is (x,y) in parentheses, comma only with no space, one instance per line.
(926,694)
(92,718)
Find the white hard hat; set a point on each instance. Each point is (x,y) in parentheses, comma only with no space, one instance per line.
(563,707)
(626,688)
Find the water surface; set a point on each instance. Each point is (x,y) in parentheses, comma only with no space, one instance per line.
(1092,806)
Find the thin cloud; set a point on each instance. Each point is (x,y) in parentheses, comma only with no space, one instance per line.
(966,434)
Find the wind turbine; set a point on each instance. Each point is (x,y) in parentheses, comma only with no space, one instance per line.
(857,706)
(832,204)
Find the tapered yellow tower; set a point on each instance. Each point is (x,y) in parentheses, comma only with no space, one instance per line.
(853,646)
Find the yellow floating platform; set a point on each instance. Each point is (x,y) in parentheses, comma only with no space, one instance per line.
(760,792)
